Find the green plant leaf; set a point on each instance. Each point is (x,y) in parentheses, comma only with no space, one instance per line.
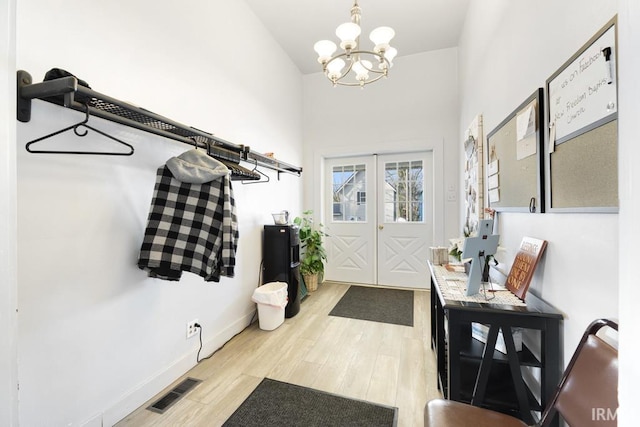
(313,253)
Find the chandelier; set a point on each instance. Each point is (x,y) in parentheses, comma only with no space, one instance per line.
(362,66)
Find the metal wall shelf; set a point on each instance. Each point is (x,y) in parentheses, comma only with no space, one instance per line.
(67,92)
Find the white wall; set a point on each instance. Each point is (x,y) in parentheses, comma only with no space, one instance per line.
(507,51)
(416,108)
(8,241)
(97,337)
(629,93)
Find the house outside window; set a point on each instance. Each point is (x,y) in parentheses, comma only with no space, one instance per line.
(361,197)
(349,195)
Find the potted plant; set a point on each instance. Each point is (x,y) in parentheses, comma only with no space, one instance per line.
(313,254)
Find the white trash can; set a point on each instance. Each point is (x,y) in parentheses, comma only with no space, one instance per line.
(271,299)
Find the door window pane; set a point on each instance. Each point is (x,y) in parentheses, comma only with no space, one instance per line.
(403,193)
(350,193)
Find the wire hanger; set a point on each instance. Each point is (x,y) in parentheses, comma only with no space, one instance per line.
(254,170)
(76,130)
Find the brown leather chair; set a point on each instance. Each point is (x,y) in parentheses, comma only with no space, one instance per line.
(586,396)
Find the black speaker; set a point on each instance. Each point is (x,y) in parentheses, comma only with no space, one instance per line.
(281,262)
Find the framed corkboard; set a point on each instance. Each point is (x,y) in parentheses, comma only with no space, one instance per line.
(582,147)
(515,159)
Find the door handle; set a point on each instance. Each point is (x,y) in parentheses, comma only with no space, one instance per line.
(380,227)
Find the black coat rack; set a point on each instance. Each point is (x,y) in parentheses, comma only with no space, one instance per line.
(67,92)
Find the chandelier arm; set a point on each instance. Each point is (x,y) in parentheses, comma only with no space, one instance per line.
(338,81)
(381,58)
(377,55)
(345,74)
(358,84)
(356,53)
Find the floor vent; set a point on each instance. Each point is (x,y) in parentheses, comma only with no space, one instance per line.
(173,395)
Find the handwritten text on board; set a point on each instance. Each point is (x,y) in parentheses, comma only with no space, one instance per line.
(585,91)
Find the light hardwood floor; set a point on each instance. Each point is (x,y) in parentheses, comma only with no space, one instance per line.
(378,362)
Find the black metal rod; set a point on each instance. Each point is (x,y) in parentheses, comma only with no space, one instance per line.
(68,86)
(262,159)
(49,88)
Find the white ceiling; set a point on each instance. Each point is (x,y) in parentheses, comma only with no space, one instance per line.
(420,25)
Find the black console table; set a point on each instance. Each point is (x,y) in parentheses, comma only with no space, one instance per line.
(470,371)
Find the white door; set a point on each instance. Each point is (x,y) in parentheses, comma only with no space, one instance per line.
(378,214)
(405,218)
(350,220)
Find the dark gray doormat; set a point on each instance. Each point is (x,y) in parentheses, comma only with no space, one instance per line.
(275,403)
(376,304)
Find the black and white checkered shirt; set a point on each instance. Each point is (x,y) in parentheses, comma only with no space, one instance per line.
(191,226)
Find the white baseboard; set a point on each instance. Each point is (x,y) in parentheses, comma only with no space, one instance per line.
(146,390)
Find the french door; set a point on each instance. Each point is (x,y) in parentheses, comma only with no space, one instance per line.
(379,217)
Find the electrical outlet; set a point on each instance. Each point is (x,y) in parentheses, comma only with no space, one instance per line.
(192,329)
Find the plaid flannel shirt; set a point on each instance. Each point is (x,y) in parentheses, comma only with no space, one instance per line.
(191,226)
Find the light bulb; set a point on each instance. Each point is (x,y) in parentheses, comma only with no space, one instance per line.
(324,49)
(390,54)
(381,36)
(361,68)
(334,68)
(348,33)
(358,68)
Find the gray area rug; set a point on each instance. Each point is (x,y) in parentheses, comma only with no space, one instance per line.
(275,403)
(376,304)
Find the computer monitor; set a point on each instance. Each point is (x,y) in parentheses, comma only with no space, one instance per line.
(478,248)
(485,227)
